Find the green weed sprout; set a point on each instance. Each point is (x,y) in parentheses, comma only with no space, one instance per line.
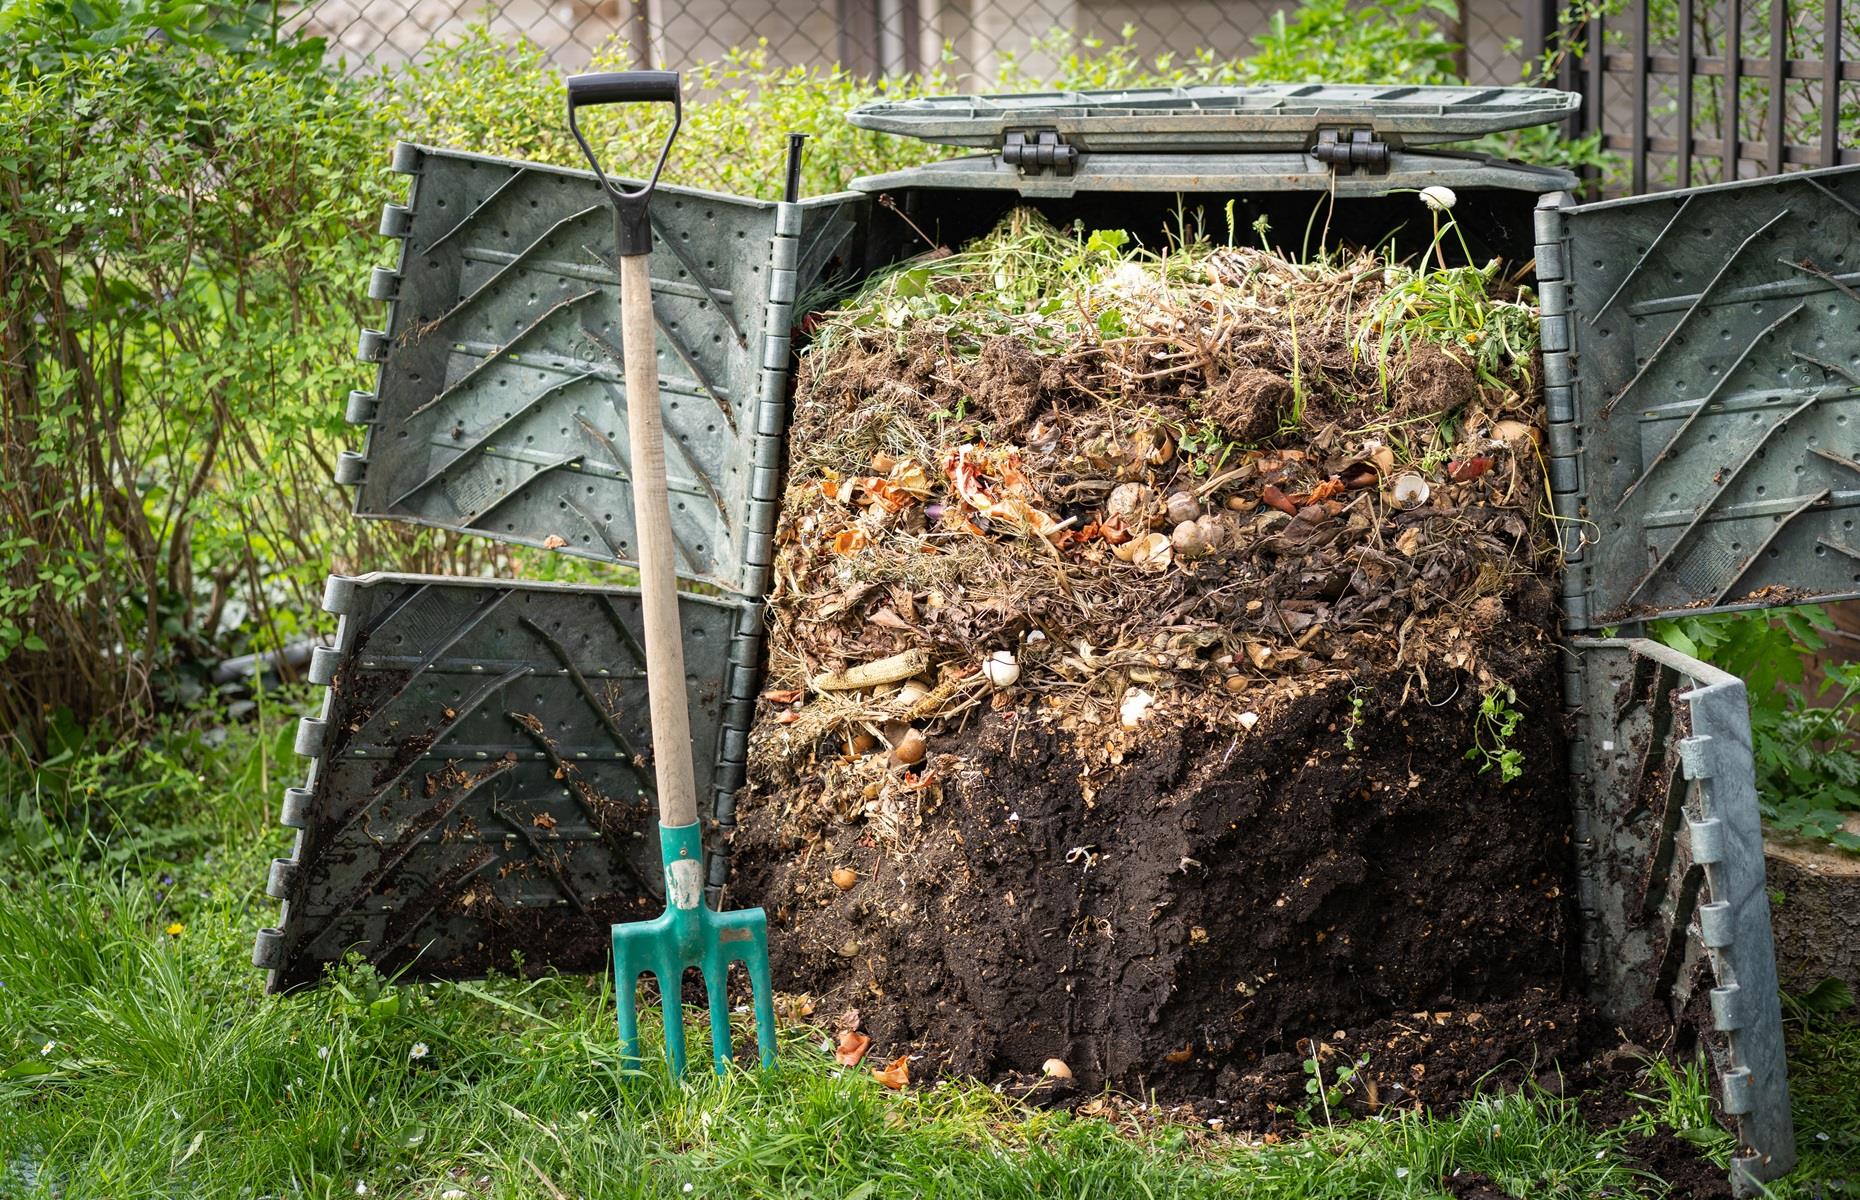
(1492,732)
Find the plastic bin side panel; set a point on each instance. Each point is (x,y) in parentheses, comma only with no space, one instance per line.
(500,407)
(481,780)
(1714,356)
(1669,844)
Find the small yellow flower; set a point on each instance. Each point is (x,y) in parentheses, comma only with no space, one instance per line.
(1472,339)
(176,929)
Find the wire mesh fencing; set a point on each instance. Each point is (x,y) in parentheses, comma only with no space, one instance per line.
(1683,92)
(973,40)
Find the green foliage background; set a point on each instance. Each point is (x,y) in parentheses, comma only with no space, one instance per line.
(187,213)
(1807,764)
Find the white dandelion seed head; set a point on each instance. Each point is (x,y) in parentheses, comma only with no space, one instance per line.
(1439,198)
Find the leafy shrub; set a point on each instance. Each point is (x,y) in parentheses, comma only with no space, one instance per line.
(515,108)
(178,257)
(1319,41)
(186,222)
(1807,754)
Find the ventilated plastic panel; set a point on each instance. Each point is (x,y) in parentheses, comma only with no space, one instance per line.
(500,407)
(1702,363)
(481,779)
(1170,120)
(1669,847)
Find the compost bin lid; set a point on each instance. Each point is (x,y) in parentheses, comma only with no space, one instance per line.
(1212,119)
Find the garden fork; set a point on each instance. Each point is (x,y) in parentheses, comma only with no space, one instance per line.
(688,933)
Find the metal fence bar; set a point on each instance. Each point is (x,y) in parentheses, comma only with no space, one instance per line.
(1686,111)
(1595,92)
(1779,58)
(1831,83)
(1639,78)
(1733,63)
(1537,27)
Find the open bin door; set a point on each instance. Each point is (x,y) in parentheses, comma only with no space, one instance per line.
(1702,374)
(480,791)
(480,794)
(1702,370)
(1669,848)
(500,405)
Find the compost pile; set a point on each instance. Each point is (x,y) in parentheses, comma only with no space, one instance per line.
(1161,677)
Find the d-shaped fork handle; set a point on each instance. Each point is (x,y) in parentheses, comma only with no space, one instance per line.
(632,225)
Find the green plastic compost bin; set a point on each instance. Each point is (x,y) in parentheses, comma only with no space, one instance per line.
(476,786)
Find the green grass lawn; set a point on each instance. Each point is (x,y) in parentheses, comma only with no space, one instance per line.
(142,1059)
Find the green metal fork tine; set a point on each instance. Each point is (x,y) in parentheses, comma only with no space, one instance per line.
(716,984)
(742,935)
(672,1007)
(626,1001)
(762,995)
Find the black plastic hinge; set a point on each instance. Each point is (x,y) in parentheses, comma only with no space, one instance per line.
(1346,150)
(1038,151)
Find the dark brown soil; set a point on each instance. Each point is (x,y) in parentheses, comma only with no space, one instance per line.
(1421,1059)
(1182,922)
(1473,1185)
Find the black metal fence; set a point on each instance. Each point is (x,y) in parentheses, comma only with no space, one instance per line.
(1703,91)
